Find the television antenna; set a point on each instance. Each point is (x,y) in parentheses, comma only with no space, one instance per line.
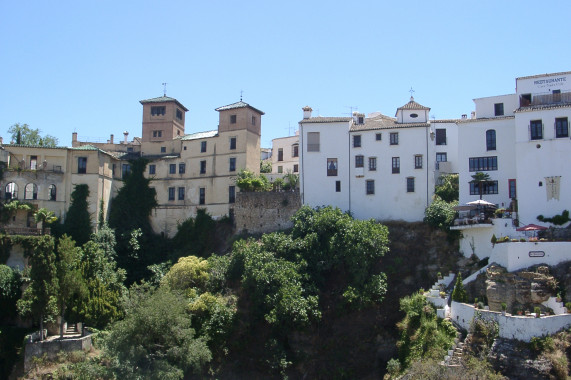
(165,89)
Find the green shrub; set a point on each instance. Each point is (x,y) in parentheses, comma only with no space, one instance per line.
(393,367)
(440,214)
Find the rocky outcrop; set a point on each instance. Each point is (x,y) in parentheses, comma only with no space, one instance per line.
(515,360)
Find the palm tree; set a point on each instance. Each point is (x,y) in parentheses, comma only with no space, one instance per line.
(44,216)
(479,178)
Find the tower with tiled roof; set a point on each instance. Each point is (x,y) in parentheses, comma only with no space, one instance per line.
(163,119)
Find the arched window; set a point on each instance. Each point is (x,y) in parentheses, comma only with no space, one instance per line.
(11,191)
(31,191)
(295,150)
(52,191)
(491,139)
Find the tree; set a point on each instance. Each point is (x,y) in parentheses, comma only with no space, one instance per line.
(459,293)
(189,272)
(291,180)
(10,282)
(69,275)
(24,135)
(265,166)
(248,181)
(78,221)
(479,179)
(44,216)
(440,214)
(448,188)
(40,298)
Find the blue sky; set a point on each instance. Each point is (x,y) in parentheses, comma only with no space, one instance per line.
(84,65)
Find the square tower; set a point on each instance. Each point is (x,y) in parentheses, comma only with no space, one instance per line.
(163,119)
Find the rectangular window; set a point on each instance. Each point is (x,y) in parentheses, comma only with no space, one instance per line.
(561,127)
(337,186)
(481,164)
(499,109)
(396,165)
(536,129)
(313,141)
(491,139)
(232,143)
(295,150)
(81,165)
(181,193)
(172,169)
(280,154)
(202,146)
(171,193)
(158,110)
(163,149)
(394,138)
(295,168)
(410,185)
(181,168)
(33,162)
(232,119)
(157,133)
(232,167)
(253,120)
(370,186)
(231,194)
(490,187)
(178,114)
(152,169)
(202,196)
(440,136)
(378,136)
(113,168)
(418,161)
(512,188)
(359,161)
(126,170)
(280,169)
(331,167)
(372,163)
(202,167)
(441,157)
(357,141)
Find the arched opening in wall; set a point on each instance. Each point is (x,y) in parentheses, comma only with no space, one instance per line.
(52,192)
(11,191)
(31,191)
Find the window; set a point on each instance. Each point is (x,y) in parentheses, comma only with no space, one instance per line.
(414,115)
(410,185)
(126,169)
(490,187)
(441,157)
(171,193)
(280,169)
(163,149)
(202,167)
(440,136)
(491,139)
(172,169)
(202,146)
(11,191)
(370,186)
(361,119)
(561,127)
(158,110)
(331,167)
(113,168)
(181,168)
(337,186)
(396,165)
(253,120)
(152,169)
(82,165)
(536,129)
(157,133)
(418,161)
(280,154)
(394,138)
(52,193)
(33,162)
(31,191)
(231,194)
(295,168)
(202,196)
(232,164)
(295,150)
(359,161)
(378,136)
(512,188)
(372,163)
(181,193)
(313,141)
(357,141)
(232,119)
(178,114)
(129,149)
(232,143)
(556,96)
(499,109)
(480,164)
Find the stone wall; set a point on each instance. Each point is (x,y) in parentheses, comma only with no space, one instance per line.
(262,212)
(51,348)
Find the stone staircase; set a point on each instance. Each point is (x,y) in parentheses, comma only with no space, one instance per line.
(71,329)
(455,354)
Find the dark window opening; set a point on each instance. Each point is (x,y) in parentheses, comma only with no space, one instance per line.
(337,186)
(171,193)
(232,143)
(499,109)
(357,141)
(181,193)
(82,165)
(370,186)
(158,110)
(394,138)
(480,164)
(410,185)
(396,165)
(359,161)
(52,193)
(202,196)
(441,136)
(491,139)
(172,169)
(490,187)
(231,194)
(280,154)
(181,168)
(178,114)
(536,129)
(232,164)
(202,146)
(202,167)
(232,119)
(152,169)
(418,162)
(561,127)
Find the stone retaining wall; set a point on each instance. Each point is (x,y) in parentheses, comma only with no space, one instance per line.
(51,347)
(262,212)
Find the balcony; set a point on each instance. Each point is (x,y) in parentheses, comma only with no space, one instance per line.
(544,99)
(28,231)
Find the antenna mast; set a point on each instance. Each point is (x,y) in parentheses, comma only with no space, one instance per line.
(165,89)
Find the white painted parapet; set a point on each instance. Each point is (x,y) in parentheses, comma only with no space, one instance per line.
(520,255)
(557,307)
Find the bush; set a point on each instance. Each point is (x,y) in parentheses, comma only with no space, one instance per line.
(439,214)
(459,293)
(393,367)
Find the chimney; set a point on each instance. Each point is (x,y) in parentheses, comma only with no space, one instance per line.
(464,116)
(73,138)
(358,118)
(126,134)
(111,139)
(307,112)
(473,115)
